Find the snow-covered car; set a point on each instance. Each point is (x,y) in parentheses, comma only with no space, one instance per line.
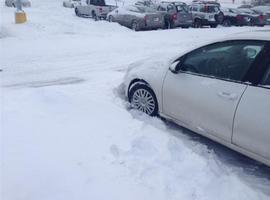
(12,3)
(206,13)
(137,17)
(254,18)
(71,3)
(265,10)
(220,90)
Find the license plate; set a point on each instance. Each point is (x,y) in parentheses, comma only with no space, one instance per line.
(156,19)
(247,19)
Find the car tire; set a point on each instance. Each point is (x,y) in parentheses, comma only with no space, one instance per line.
(110,18)
(227,23)
(142,98)
(135,25)
(77,12)
(197,23)
(213,25)
(94,15)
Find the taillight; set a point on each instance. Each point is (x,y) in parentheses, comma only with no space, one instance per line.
(239,17)
(145,18)
(261,17)
(174,17)
(205,8)
(100,9)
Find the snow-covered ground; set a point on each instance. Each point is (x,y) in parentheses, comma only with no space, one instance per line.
(67,132)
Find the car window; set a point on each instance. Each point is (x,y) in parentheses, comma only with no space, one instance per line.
(182,8)
(194,9)
(227,60)
(266,80)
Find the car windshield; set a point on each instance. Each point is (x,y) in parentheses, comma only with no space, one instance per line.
(182,8)
(233,10)
(248,11)
(212,8)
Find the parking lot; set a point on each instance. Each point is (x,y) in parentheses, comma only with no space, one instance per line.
(68,132)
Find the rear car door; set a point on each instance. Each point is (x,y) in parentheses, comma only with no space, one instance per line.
(252,120)
(183,15)
(204,91)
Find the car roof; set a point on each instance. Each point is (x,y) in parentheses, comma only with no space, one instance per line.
(251,35)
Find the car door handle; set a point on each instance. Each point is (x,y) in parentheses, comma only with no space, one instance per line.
(227,95)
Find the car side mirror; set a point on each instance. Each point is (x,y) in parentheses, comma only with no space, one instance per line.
(173,66)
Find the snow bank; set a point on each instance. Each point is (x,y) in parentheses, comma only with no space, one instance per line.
(67,133)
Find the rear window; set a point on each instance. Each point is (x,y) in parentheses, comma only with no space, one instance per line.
(212,9)
(182,8)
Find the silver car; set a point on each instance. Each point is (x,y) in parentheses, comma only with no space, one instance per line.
(12,3)
(137,17)
(220,90)
(177,14)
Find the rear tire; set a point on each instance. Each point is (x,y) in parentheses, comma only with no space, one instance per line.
(143,99)
(135,26)
(213,25)
(197,23)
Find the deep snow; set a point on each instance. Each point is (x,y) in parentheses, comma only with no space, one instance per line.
(67,132)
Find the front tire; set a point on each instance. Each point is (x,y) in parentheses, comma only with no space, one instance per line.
(226,23)
(110,18)
(197,23)
(142,98)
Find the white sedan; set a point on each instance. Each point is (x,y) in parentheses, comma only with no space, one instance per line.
(220,90)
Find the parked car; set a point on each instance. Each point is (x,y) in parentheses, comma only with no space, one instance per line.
(176,14)
(220,90)
(71,3)
(254,18)
(234,17)
(137,17)
(97,9)
(12,3)
(206,13)
(265,10)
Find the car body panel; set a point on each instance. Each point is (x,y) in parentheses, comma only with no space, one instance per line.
(200,102)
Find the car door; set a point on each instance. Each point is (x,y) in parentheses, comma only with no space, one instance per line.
(206,87)
(183,15)
(251,125)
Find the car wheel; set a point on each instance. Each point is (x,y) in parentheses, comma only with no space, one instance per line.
(135,26)
(111,19)
(197,23)
(213,25)
(77,12)
(226,23)
(143,99)
(94,15)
